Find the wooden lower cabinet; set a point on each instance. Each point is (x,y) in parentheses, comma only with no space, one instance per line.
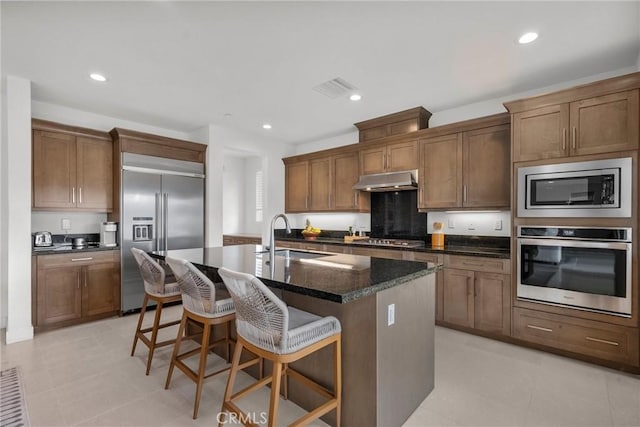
(230,240)
(586,337)
(59,295)
(71,288)
(477,293)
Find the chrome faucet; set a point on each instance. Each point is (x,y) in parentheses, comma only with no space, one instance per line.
(272,245)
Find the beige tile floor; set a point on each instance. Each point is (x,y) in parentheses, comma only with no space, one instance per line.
(84,376)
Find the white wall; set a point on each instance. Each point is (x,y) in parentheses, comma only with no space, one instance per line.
(333,221)
(16,208)
(233,200)
(81,222)
(466,112)
(472,223)
(74,117)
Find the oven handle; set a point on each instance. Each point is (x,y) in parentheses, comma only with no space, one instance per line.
(625,246)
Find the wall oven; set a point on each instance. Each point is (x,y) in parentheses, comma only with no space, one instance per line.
(599,188)
(577,267)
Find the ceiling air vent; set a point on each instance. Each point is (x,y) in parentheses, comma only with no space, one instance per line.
(335,88)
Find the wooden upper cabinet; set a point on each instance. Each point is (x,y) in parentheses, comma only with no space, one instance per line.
(321,181)
(605,123)
(72,168)
(345,176)
(440,176)
(94,174)
(393,124)
(297,187)
(54,170)
(324,184)
(541,133)
(595,118)
(389,158)
(469,169)
(486,167)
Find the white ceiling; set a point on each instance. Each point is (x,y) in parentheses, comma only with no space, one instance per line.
(183,65)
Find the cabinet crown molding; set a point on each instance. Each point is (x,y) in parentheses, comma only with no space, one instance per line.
(588,90)
(49,126)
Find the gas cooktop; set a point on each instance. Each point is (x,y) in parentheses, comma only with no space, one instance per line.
(391,242)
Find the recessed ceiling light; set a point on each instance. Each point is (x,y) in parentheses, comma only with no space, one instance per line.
(527,38)
(98,77)
(355,97)
(266,126)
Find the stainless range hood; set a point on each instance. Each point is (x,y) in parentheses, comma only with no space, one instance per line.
(390,181)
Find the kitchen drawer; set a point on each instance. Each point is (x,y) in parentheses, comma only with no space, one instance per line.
(78,258)
(587,337)
(488,265)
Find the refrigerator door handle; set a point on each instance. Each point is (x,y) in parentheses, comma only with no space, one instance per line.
(157,222)
(165,221)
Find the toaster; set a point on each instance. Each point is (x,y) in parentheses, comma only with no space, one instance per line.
(42,238)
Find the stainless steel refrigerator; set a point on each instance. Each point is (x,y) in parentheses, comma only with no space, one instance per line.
(162,208)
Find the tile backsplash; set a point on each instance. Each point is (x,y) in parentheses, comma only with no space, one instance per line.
(494,223)
(80,222)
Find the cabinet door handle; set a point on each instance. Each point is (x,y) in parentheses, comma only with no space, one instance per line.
(564,139)
(601,341)
(78,280)
(81,259)
(539,328)
(384,161)
(306,202)
(464,193)
(355,199)
(475,288)
(328,200)
(468,287)
(388,161)
(73,195)
(80,195)
(85,278)
(573,138)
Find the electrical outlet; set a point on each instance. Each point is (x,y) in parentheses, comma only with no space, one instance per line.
(391,314)
(471,226)
(498,224)
(451,223)
(66,224)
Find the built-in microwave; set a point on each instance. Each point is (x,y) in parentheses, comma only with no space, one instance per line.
(599,188)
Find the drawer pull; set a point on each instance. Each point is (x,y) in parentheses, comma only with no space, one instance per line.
(601,341)
(539,328)
(82,259)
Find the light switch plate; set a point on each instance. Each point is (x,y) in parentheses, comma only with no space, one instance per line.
(471,226)
(66,224)
(391,314)
(451,223)
(498,224)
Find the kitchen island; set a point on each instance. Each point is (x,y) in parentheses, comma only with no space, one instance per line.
(386,309)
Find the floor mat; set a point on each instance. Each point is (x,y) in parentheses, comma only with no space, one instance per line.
(13,409)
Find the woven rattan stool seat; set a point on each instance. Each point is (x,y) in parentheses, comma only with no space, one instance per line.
(158,290)
(267,327)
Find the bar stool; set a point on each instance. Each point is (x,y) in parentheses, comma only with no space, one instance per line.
(155,289)
(267,327)
(200,306)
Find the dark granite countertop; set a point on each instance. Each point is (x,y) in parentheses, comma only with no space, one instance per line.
(302,274)
(66,249)
(485,247)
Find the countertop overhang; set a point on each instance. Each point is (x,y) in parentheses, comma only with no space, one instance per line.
(340,285)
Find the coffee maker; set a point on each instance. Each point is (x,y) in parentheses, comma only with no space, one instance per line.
(108,234)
